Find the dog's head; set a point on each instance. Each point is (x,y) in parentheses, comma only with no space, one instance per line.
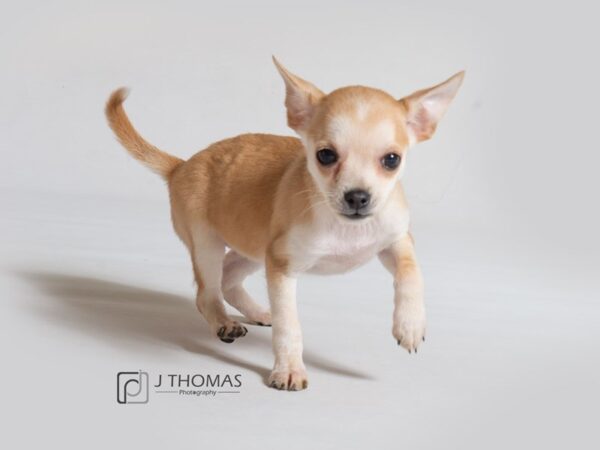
(356,137)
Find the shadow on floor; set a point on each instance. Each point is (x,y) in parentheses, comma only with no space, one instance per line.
(129,315)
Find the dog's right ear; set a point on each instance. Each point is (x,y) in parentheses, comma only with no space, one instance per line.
(301,97)
(426,107)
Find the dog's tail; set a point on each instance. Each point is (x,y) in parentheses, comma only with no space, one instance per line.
(157,160)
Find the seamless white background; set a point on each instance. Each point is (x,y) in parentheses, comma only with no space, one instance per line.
(504,203)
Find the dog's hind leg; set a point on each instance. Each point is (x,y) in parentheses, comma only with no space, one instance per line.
(235,269)
(208,252)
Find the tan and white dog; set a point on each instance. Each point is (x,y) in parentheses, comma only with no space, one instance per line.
(325,203)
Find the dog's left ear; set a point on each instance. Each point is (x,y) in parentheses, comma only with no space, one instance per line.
(301,97)
(425,108)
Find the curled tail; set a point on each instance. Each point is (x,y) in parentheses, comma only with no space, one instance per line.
(157,160)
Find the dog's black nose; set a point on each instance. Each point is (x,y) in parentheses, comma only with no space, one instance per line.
(357,199)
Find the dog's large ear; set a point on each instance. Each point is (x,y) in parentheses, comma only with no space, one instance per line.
(301,98)
(425,108)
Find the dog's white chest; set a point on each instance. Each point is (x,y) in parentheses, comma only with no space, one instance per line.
(340,259)
(337,249)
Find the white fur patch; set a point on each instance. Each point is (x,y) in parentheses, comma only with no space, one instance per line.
(332,244)
(362,109)
(347,131)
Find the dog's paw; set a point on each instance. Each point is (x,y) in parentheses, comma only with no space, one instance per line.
(231,331)
(409,326)
(262,319)
(290,379)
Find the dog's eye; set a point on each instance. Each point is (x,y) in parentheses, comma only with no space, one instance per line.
(391,161)
(327,156)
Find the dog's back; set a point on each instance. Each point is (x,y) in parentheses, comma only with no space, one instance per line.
(230,186)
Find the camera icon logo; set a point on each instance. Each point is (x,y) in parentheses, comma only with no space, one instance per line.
(132,387)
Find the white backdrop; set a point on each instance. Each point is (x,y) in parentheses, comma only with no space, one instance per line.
(503,200)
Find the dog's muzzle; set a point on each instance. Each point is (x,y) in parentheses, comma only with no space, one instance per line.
(356,204)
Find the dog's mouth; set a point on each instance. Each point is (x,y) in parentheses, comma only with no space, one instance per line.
(352,212)
(355,215)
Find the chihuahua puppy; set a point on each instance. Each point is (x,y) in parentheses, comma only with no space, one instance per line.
(325,203)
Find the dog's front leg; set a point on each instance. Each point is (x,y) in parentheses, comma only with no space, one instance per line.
(289,371)
(409,308)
